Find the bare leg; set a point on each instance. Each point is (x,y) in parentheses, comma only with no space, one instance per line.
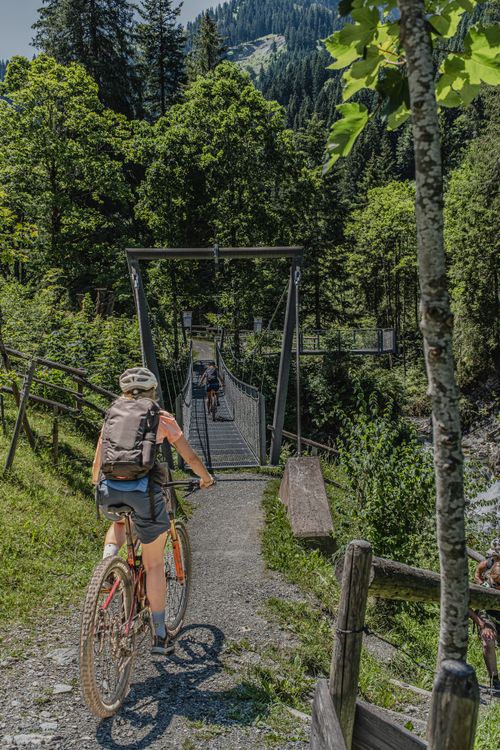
(116,534)
(152,556)
(489,652)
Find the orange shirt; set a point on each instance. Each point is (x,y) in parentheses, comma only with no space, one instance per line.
(167,429)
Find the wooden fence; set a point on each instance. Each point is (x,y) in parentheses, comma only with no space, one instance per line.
(69,398)
(340,721)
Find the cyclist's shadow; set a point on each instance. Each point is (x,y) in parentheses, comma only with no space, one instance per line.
(176,690)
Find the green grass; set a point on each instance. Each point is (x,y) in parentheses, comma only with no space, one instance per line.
(51,539)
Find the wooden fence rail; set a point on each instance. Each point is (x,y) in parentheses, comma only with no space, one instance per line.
(76,395)
(340,721)
(394,580)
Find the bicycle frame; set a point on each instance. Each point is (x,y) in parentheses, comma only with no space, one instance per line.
(138,572)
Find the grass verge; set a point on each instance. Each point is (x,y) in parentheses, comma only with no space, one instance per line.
(51,538)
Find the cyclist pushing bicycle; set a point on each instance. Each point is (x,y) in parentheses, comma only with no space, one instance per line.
(128,480)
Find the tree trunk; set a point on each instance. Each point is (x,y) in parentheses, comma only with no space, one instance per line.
(437,324)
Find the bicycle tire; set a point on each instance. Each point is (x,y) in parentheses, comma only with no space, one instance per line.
(92,687)
(177,598)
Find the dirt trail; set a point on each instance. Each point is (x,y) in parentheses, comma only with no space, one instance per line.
(192,700)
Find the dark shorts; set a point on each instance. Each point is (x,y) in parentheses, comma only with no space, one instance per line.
(213,386)
(110,501)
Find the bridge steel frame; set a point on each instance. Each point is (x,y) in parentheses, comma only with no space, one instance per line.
(148,353)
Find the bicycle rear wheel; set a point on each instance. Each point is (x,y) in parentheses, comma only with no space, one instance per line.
(178,586)
(106,652)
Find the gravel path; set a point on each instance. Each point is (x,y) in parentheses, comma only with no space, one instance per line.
(193,700)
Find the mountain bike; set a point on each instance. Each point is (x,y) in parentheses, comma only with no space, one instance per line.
(212,403)
(116,616)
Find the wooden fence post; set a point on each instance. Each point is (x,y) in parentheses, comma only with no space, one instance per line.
(28,379)
(454,707)
(2,415)
(55,436)
(346,659)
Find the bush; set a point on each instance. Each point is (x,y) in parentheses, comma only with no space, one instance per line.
(392,484)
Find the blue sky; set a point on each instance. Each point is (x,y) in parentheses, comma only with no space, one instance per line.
(16,17)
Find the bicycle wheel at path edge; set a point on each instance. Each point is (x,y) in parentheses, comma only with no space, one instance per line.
(106,653)
(177,590)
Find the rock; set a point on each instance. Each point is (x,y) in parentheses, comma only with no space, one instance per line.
(28,740)
(64,656)
(60,688)
(48,726)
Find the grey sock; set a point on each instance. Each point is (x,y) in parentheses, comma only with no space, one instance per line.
(159,623)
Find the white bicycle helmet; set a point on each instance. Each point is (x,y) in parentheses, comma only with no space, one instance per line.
(137,379)
(495,548)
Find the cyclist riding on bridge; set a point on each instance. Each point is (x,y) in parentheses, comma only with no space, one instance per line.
(125,474)
(214,380)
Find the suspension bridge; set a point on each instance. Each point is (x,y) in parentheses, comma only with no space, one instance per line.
(237,437)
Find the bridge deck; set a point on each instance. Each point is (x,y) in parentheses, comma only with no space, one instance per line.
(220,444)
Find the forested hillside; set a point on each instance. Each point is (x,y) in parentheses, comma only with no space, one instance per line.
(297,75)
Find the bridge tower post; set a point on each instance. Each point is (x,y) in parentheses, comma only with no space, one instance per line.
(284,368)
(148,352)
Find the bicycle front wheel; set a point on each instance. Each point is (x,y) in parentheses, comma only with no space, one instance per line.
(106,650)
(177,558)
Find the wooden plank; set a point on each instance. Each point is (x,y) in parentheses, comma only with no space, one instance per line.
(47,362)
(474,555)
(326,733)
(96,388)
(306,441)
(374,731)
(344,674)
(303,493)
(44,401)
(454,707)
(394,580)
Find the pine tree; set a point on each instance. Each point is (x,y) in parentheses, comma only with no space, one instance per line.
(208,48)
(161,55)
(98,34)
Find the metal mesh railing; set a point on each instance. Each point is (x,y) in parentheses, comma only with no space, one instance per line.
(246,404)
(354,340)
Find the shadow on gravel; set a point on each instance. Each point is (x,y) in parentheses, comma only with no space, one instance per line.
(177,690)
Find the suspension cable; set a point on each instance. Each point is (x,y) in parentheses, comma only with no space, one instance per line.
(296,279)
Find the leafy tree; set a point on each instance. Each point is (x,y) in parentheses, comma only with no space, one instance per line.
(472,240)
(208,48)
(61,167)
(99,35)
(161,55)
(224,169)
(383,259)
(395,59)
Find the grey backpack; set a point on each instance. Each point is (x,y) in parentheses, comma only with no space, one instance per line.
(128,448)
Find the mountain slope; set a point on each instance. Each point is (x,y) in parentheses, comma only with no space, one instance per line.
(293,70)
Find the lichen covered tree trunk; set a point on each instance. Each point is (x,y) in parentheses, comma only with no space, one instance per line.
(436,324)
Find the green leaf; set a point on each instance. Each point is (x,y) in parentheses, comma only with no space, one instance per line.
(349,43)
(398,117)
(446,23)
(345,131)
(393,87)
(482,61)
(363,73)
